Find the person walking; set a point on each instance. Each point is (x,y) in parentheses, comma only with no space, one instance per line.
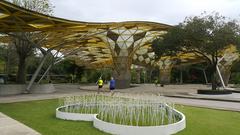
(156,82)
(112,85)
(100,84)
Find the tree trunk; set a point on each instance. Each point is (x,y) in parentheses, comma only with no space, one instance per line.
(165,76)
(150,75)
(122,71)
(23,49)
(138,76)
(181,75)
(213,77)
(21,74)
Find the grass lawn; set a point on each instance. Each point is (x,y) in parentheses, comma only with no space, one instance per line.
(40,115)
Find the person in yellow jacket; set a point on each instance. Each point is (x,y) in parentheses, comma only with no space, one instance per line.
(100,84)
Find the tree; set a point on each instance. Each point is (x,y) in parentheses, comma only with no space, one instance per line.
(24,48)
(41,6)
(8,56)
(70,68)
(205,35)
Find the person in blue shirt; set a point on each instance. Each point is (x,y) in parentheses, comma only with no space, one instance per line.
(112,84)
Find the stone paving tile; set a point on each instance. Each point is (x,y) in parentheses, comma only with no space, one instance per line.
(2,116)
(4,122)
(16,130)
(232,106)
(9,126)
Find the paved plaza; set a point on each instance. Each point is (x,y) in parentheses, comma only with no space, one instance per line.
(179,94)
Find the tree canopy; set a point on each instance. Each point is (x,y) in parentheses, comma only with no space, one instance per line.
(21,40)
(41,6)
(205,35)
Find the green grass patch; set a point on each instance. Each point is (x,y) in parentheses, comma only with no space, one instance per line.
(202,121)
(40,115)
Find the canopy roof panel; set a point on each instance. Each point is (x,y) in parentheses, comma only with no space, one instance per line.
(90,44)
(12,16)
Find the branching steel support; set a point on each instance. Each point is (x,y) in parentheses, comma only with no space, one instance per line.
(37,72)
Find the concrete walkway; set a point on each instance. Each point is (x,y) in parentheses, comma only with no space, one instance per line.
(180,94)
(9,126)
(178,91)
(221,105)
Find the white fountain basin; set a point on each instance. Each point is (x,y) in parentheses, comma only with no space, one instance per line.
(73,116)
(125,129)
(118,129)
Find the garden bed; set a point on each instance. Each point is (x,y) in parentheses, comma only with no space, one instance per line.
(123,116)
(214,92)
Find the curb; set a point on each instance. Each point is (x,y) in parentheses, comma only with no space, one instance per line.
(213,99)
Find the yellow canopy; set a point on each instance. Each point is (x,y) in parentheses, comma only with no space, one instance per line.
(90,44)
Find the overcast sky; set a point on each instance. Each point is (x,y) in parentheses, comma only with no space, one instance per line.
(163,11)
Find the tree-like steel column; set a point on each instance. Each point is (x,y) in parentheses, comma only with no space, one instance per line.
(165,67)
(123,42)
(226,73)
(225,65)
(138,75)
(122,72)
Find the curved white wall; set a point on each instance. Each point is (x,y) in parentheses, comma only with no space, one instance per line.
(125,129)
(139,130)
(73,116)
